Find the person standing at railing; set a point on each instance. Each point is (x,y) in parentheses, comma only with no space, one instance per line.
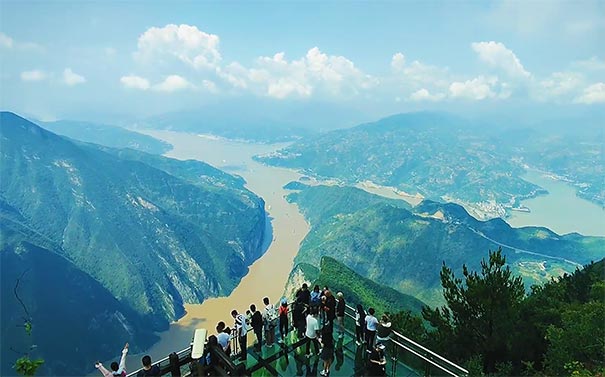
(383,332)
(148,370)
(241,332)
(330,307)
(116,369)
(360,324)
(298,317)
(283,320)
(270,319)
(340,314)
(223,337)
(371,325)
(312,333)
(257,325)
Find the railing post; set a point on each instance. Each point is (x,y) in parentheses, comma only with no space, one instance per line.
(175,369)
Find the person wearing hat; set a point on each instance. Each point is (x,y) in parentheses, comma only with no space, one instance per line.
(376,366)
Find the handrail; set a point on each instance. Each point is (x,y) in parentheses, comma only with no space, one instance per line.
(431,352)
(163,360)
(432,362)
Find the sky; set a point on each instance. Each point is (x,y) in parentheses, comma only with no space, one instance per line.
(96,60)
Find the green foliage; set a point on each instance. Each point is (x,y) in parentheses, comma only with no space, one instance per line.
(481,312)
(26,366)
(357,289)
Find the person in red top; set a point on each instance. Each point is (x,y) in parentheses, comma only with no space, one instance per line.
(283,320)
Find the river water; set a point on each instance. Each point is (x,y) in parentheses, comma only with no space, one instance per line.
(560,210)
(267,276)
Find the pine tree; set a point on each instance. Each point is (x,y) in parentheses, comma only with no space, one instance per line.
(480,312)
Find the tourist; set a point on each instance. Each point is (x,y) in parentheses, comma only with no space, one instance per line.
(298,317)
(223,337)
(241,332)
(371,325)
(116,369)
(257,326)
(303,294)
(327,352)
(383,332)
(283,320)
(330,307)
(312,332)
(148,370)
(315,298)
(376,367)
(340,314)
(270,319)
(360,324)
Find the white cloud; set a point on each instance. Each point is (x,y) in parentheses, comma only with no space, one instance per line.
(424,95)
(557,85)
(183,42)
(398,61)
(478,88)
(135,82)
(173,83)
(593,94)
(35,75)
(417,75)
(592,64)
(10,43)
(210,86)
(316,72)
(6,41)
(497,55)
(71,78)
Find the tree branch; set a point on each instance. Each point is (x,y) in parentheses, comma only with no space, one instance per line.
(28,318)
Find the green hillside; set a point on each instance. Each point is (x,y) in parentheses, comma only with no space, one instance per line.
(404,249)
(148,231)
(446,158)
(359,290)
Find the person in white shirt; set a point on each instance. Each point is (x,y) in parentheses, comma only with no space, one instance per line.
(371,325)
(312,332)
(241,331)
(116,369)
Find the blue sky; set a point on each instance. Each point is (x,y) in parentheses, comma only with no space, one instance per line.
(135,59)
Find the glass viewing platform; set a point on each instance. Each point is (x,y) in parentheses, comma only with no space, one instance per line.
(404,358)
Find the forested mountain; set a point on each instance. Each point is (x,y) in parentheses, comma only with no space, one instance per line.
(383,240)
(145,233)
(446,158)
(107,135)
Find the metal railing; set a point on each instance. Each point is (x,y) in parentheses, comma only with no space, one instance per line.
(418,352)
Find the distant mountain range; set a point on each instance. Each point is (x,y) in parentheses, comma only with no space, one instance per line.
(451,159)
(383,240)
(114,242)
(111,136)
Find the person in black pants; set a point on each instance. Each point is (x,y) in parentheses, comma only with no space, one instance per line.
(283,320)
(360,324)
(257,326)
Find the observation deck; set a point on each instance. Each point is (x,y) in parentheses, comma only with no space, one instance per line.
(404,358)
